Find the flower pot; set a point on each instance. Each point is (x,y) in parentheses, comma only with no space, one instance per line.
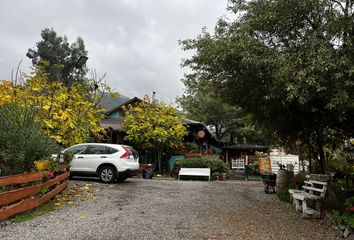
(222,176)
(41,165)
(65,166)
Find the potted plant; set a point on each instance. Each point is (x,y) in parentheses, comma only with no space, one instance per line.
(41,165)
(223,168)
(67,158)
(191,150)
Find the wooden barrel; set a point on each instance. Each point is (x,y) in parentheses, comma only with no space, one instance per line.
(284,178)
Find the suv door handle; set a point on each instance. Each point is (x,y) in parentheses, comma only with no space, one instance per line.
(80,157)
(103,157)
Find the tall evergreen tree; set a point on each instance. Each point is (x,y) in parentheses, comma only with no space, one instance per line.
(58,58)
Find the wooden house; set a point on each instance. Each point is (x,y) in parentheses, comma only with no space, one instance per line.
(113,122)
(198,133)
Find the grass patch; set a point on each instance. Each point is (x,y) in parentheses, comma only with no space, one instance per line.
(39,211)
(71,196)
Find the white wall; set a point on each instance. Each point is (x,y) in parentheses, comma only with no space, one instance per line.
(278,156)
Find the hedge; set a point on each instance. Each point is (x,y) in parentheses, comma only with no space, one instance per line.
(216,165)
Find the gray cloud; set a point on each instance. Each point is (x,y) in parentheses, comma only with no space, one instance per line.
(135,42)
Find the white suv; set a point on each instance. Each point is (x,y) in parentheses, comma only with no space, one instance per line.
(107,161)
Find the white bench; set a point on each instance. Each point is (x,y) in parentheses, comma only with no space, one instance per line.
(200,172)
(311,191)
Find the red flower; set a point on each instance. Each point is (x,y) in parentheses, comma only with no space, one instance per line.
(350,209)
(51,174)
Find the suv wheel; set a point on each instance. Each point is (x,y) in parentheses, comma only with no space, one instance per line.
(107,174)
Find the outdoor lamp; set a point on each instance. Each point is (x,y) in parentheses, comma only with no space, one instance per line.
(82,60)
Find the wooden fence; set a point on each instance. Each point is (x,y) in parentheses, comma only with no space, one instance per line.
(26,198)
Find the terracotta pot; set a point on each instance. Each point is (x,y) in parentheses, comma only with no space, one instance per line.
(65,166)
(222,176)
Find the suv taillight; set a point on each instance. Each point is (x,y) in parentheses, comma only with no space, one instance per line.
(126,154)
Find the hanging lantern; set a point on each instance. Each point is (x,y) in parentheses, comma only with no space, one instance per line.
(201,134)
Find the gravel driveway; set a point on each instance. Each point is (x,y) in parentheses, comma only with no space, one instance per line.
(167,209)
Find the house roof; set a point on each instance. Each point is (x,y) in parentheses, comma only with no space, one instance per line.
(246,146)
(109,103)
(191,122)
(200,125)
(129,101)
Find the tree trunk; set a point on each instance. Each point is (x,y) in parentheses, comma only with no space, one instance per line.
(310,165)
(155,157)
(321,160)
(159,153)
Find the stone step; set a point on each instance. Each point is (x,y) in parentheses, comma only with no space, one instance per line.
(236,175)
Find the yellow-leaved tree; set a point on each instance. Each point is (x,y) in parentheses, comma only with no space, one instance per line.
(153,125)
(70,115)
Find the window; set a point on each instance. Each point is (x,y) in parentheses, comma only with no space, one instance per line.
(133,152)
(110,150)
(78,149)
(95,149)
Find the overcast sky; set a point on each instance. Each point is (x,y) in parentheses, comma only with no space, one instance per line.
(134,42)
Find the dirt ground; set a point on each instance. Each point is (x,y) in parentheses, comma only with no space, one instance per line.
(170,209)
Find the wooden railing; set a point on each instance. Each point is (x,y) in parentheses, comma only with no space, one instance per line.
(26,198)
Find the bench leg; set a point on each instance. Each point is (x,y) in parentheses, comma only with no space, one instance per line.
(318,209)
(297,204)
(304,209)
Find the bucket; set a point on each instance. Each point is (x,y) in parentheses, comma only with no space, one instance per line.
(284,178)
(290,167)
(148,173)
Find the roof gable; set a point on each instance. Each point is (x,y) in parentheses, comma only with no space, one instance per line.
(130,101)
(109,103)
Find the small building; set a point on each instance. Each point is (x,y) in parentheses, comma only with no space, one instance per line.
(240,155)
(279,156)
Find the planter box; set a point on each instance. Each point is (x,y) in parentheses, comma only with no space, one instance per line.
(192,155)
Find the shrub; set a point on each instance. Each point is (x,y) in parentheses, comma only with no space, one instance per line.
(21,140)
(216,165)
(284,194)
(347,218)
(253,170)
(191,147)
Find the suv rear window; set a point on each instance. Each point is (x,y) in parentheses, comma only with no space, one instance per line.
(110,150)
(133,152)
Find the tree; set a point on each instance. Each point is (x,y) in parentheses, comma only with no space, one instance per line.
(288,63)
(67,115)
(153,125)
(58,58)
